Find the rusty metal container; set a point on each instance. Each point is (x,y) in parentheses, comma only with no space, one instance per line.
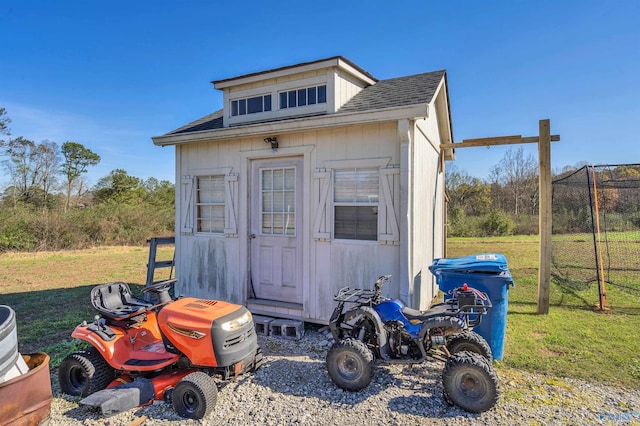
(26,400)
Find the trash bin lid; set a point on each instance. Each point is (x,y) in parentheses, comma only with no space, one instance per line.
(487,262)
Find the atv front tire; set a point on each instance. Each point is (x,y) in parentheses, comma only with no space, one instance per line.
(469,341)
(350,364)
(194,397)
(84,372)
(470,382)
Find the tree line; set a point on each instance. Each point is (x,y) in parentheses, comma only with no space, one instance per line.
(506,202)
(48,204)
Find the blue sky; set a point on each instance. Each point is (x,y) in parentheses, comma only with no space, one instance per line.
(110,75)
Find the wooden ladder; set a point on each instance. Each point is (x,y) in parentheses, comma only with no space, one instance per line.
(154,264)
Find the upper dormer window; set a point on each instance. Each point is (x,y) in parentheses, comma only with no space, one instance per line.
(302,97)
(252,105)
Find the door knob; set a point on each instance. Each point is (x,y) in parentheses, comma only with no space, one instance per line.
(252,236)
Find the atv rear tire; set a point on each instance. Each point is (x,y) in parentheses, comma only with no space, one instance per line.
(84,372)
(471,342)
(350,364)
(194,397)
(470,382)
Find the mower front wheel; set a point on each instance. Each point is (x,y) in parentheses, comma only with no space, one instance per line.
(84,372)
(194,397)
(350,364)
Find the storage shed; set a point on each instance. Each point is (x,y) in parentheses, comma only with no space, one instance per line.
(310,178)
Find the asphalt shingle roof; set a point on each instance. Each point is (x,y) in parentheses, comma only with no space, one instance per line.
(394,92)
(208,122)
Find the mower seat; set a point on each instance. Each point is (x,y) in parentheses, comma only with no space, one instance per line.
(115,301)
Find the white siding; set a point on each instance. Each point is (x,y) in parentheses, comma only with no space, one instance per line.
(346,87)
(217,266)
(427,211)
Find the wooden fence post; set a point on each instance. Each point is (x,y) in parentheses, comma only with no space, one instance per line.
(545,216)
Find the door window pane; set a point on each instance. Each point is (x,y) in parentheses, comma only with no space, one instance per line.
(278,200)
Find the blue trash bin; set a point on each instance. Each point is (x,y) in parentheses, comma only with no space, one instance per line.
(488,273)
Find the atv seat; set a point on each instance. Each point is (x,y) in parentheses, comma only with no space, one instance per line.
(439,310)
(115,301)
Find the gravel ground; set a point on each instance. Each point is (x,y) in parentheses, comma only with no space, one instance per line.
(293,387)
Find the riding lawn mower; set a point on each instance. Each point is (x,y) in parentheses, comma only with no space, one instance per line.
(168,349)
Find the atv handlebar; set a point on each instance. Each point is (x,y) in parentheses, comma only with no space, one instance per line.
(380,282)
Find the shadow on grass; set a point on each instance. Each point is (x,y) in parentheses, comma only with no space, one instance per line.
(47,317)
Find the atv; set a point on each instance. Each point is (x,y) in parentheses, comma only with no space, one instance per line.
(168,349)
(374,327)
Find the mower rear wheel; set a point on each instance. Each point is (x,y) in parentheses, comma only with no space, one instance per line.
(84,372)
(194,397)
(350,364)
(469,341)
(470,382)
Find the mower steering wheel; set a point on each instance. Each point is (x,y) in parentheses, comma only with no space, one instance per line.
(160,286)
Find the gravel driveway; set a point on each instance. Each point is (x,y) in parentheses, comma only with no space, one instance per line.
(293,388)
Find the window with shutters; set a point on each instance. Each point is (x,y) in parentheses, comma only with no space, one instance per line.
(355,203)
(210,204)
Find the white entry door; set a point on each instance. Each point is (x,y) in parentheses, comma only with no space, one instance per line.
(276,229)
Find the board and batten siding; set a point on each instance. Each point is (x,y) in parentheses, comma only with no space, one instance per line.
(217,266)
(346,87)
(339,263)
(427,212)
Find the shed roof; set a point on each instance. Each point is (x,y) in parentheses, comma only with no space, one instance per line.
(394,92)
(334,60)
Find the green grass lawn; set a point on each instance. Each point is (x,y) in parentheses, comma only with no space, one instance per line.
(50,294)
(50,291)
(574,340)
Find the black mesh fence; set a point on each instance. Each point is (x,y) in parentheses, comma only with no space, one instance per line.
(596,229)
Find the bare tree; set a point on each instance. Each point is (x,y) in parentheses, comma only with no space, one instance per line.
(516,174)
(19,165)
(469,193)
(32,169)
(47,161)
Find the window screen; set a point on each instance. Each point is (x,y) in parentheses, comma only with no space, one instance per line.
(355,200)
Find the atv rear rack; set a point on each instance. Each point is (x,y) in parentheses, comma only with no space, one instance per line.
(354,295)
